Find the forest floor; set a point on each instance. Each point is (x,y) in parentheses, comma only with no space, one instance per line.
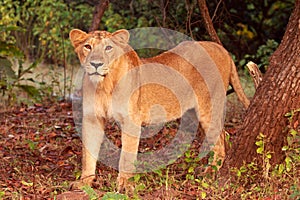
(40,155)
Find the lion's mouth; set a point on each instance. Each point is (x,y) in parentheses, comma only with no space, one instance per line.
(97,74)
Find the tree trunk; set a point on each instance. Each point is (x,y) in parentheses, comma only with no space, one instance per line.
(98,13)
(277,94)
(208,22)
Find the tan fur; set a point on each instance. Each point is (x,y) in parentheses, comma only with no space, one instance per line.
(99,92)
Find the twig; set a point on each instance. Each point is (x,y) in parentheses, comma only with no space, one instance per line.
(215,12)
(65,63)
(190,8)
(208,22)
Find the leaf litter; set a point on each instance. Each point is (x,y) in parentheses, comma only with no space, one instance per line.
(40,152)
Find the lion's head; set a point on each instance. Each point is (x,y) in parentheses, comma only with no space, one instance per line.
(98,49)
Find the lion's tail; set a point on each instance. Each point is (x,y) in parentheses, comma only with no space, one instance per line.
(236,84)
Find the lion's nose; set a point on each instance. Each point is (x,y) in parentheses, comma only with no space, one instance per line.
(96,65)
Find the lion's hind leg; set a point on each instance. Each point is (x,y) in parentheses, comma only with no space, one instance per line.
(214,139)
(219,151)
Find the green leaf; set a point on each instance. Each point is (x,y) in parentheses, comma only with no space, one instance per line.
(259,143)
(288,162)
(77,175)
(6,65)
(31,144)
(187,154)
(114,196)
(219,162)
(295,191)
(139,187)
(31,91)
(285,148)
(293,132)
(204,185)
(9,50)
(215,168)
(188,160)
(260,150)
(250,6)
(281,168)
(90,192)
(203,195)
(288,159)
(191,170)
(2,194)
(137,177)
(190,177)
(243,169)
(289,114)
(29,184)
(211,157)
(5,28)
(158,172)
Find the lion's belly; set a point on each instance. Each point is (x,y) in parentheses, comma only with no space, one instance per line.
(154,103)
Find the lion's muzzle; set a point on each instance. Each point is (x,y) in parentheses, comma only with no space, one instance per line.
(97,68)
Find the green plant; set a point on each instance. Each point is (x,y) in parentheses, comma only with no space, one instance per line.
(114,196)
(266,155)
(45,24)
(191,162)
(259,181)
(292,149)
(11,79)
(38,30)
(51,28)
(249,170)
(2,194)
(262,55)
(90,192)
(32,145)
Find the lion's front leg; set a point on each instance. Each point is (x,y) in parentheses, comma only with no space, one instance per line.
(92,137)
(128,158)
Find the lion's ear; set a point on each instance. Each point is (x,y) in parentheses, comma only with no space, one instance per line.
(77,36)
(121,37)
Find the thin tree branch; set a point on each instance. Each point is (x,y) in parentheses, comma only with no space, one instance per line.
(215,12)
(208,22)
(98,13)
(189,8)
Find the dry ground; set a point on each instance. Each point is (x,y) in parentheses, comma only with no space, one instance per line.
(40,153)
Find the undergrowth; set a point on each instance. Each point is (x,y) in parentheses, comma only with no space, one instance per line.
(41,156)
(184,180)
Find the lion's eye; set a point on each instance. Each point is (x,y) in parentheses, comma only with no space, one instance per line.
(88,47)
(107,48)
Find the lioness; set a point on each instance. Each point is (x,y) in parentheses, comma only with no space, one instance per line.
(118,84)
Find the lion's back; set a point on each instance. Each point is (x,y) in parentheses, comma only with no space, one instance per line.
(183,78)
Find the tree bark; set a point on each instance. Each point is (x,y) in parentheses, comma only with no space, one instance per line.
(208,22)
(277,94)
(98,13)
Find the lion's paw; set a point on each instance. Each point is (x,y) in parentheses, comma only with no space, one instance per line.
(82,182)
(124,183)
